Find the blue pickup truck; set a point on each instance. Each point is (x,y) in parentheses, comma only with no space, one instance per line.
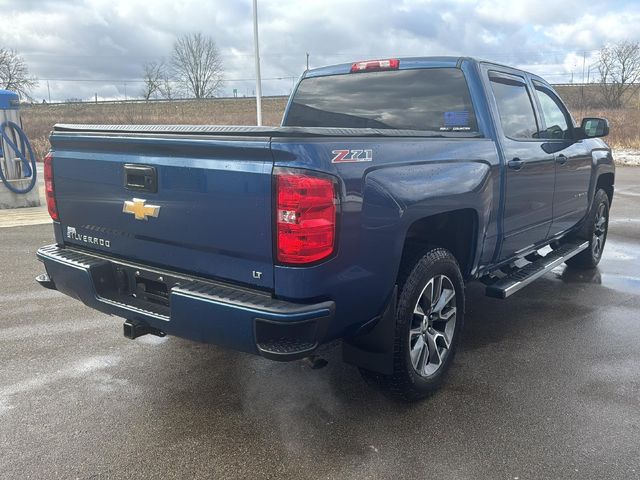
(389,185)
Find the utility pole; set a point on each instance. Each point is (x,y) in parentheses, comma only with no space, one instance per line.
(49,90)
(257,58)
(307,60)
(584,61)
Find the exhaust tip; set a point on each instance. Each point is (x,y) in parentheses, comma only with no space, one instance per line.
(46,281)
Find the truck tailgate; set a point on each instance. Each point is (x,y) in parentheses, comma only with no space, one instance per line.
(213,193)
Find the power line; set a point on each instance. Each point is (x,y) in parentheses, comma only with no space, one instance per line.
(139,57)
(336,54)
(120,80)
(477,53)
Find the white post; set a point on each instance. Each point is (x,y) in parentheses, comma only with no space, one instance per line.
(257,57)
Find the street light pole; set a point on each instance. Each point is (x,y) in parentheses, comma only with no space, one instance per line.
(257,57)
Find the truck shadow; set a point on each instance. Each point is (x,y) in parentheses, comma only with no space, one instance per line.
(309,415)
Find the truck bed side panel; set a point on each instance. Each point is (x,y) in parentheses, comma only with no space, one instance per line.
(407,179)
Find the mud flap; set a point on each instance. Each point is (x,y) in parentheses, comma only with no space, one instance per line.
(371,347)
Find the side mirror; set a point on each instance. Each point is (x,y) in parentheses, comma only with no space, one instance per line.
(594,127)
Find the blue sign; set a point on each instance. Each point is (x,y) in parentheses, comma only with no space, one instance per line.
(9,100)
(456,119)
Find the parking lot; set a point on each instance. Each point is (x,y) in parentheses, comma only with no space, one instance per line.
(546,385)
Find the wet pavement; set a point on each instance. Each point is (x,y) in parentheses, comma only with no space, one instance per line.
(546,385)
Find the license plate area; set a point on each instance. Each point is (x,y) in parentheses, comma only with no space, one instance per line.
(140,288)
(153,291)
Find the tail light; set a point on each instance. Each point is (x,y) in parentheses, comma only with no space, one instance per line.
(306,217)
(375,65)
(48,187)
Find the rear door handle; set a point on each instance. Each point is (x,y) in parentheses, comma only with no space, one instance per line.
(561,159)
(515,164)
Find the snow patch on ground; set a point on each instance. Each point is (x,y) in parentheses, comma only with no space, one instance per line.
(627,157)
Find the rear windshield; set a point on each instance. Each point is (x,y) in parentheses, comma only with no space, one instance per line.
(434,99)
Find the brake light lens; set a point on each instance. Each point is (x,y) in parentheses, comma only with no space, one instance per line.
(48,187)
(375,65)
(306,217)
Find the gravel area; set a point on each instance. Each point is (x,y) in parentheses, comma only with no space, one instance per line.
(627,157)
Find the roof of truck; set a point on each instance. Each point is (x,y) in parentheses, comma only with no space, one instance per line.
(405,62)
(410,63)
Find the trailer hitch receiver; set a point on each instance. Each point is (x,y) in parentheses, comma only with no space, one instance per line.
(135,328)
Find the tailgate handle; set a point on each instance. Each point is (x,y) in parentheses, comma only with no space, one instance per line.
(140,178)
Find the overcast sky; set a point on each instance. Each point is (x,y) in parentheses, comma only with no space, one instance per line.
(85,47)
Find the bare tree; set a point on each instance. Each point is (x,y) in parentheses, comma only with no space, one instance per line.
(196,64)
(14,73)
(153,76)
(167,88)
(619,68)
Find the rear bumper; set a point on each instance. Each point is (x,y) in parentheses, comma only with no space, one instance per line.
(203,310)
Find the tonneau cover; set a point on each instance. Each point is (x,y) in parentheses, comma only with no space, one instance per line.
(237,130)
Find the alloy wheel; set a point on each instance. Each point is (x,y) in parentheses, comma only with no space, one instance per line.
(599,231)
(433,326)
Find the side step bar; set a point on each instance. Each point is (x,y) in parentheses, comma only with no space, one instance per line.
(513,282)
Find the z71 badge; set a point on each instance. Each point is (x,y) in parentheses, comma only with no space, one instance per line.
(345,156)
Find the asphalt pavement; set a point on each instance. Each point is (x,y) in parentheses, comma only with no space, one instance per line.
(546,385)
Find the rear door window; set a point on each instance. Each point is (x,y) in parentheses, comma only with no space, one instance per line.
(433,99)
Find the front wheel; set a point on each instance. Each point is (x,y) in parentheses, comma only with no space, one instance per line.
(429,319)
(595,230)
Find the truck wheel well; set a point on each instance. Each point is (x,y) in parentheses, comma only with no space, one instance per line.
(455,231)
(605,182)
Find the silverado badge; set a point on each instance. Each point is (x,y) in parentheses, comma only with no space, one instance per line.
(141,211)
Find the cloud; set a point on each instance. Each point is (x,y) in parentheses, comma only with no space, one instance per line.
(96,46)
(591,31)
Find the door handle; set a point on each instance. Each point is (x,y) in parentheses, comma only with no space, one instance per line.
(515,164)
(141,178)
(561,159)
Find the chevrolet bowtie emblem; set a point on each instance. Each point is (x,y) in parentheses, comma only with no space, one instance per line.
(141,211)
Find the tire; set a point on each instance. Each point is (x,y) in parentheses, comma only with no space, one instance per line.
(595,230)
(429,319)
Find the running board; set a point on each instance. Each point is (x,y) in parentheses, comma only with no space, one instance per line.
(513,282)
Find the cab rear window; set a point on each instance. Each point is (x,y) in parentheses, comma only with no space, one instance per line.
(433,99)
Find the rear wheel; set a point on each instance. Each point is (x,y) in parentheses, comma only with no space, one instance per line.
(595,230)
(429,318)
